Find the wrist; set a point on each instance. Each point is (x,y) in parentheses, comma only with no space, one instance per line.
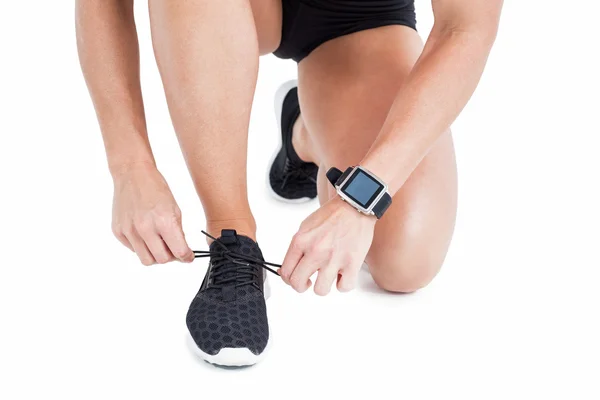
(118,170)
(361,189)
(127,150)
(348,212)
(381,170)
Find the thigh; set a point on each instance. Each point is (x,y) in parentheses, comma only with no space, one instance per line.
(346,88)
(268,20)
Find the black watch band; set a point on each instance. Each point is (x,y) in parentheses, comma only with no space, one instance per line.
(382,205)
(336,177)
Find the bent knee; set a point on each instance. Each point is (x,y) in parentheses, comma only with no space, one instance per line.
(405,276)
(267,44)
(268,21)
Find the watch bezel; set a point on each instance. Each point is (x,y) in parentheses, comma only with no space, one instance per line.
(348,199)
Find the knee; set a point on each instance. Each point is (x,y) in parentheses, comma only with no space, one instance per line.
(404,274)
(268,22)
(267,43)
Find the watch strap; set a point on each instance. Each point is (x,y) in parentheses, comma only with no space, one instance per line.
(336,177)
(382,205)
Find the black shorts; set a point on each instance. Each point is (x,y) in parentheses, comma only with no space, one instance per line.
(307,24)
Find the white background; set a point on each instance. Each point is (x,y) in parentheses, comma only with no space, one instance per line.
(514,313)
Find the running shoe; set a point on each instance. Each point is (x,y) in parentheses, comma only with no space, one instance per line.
(227,319)
(290,179)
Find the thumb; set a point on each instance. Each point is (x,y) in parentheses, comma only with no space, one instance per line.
(175,239)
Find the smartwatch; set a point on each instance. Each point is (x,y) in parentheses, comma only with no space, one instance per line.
(361,189)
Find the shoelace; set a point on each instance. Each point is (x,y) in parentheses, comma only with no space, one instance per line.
(292,171)
(232,267)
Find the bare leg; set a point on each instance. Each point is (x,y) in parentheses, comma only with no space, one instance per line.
(346,88)
(207,53)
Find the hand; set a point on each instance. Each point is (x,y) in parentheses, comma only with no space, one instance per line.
(146,218)
(334,240)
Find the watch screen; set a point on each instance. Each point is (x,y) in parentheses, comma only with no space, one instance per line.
(362,188)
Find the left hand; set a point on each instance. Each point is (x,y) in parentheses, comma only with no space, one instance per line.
(333,240)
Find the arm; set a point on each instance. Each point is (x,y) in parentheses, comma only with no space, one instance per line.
(146,218)
(108,51)
(439,86)
(335,239)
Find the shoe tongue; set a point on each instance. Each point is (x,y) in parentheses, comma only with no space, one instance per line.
(228,238)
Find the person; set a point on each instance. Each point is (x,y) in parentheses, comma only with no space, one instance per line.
(370,96)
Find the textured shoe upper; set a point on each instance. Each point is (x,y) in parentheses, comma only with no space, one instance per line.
(289,176)
(229,310)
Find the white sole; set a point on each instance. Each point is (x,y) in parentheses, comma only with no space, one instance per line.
(279,97)
(228,357)
(232,357)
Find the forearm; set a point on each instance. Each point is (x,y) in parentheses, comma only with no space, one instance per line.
(109,55)
(438,88)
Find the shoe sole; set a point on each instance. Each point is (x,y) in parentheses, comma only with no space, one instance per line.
(232,357)
(279,98)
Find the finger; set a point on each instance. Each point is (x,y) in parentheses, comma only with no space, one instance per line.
(327,276)
(158,248)
(347,279)
(123,239)
(300,279)
(291,259)
(174,237)
(140,248)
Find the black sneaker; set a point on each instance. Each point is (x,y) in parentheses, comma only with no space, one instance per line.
(291,180)
(227,319)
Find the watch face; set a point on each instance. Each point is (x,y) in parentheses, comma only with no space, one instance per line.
(362,189)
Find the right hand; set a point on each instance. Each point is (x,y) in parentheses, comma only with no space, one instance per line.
(146,218)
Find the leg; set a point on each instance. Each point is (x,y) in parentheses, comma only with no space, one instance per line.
(346,87)
(207,53)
